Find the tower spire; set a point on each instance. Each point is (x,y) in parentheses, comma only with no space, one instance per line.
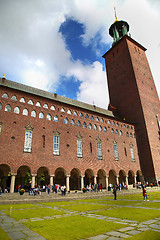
(115,14)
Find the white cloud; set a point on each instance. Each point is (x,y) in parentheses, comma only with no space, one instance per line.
(33,50)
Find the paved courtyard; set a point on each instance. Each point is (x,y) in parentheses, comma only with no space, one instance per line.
(16,230)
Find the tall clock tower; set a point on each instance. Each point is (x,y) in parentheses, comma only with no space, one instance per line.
(133,94)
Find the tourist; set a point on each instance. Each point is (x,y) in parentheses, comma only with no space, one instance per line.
(145,194)
(0,191)
(115,193)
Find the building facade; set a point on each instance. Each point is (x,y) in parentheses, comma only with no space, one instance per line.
(65,141)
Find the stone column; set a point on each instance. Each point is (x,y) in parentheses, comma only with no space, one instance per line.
(82,182)
(135,181)
(67,182)
(107,177)
(33,180)
(95,179)
(51,181)
(13,175)
(127,180)
(117,180)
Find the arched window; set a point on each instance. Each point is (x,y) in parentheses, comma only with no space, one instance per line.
(72,122)
(25,112)
(66,121)
(99,149)
(45,106)
(116,131)
(22,100)
(16,110)
(97,119)
(48,117)
(38,104)
(69,111)
(127,134)
(30,102)
(124,126)
(52,107)
(75,113)
(89,126)
(117,124)
(84,125)
(120,133)
(105,129)
(131,135)
(95,127)
(92,118)
(55,118)
(101,120)
(41,115)
(109,122)
(14,98)
(112,130)
(81,114)
(62,110)
(78,124)
(5,95)
(113,123)
(100,128)
(7,108)
(86,116)
(33,113)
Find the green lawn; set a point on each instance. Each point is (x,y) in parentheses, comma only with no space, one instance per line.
(33,213)
(18,206)
(86,207)
(148,235)
(135,214)
(3,235)
(72,228)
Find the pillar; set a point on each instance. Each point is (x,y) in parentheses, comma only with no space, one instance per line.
(33,180)
(135,180)
(127,180)
(117,180)
(51,181)
(107,177)
(95,179)
(67,182)
(13,175)
(82,182)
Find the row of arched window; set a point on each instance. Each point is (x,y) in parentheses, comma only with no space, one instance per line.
(66,121)
(38,104)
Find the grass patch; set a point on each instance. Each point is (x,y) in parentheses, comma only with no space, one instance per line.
(72,228)
(85,207)
(135,214)
(57,204)
(150,204)
(34,213)
(4,235)
(17,206)
(149,235)
(120,202)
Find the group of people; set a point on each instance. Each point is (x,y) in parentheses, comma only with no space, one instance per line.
(95,187)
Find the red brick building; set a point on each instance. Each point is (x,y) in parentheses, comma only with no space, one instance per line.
(74,143)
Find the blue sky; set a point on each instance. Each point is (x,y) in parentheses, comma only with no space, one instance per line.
(59,44)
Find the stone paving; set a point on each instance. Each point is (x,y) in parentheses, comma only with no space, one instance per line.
(17,231)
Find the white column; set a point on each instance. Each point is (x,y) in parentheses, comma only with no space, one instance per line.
(51,181)
(135,180)
(33,180)
(127,180)
(67,182)
(12,182)
(95,179)
(117,180)
(82,182)
(107,181)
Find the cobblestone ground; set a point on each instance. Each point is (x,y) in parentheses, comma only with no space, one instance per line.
(17,231)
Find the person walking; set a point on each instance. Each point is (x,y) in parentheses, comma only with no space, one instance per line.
(0,191)
(115,193)
(145,194)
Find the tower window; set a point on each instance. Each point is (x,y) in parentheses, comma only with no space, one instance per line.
(43,141)
(115,151)
(99,149)
(56,145)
